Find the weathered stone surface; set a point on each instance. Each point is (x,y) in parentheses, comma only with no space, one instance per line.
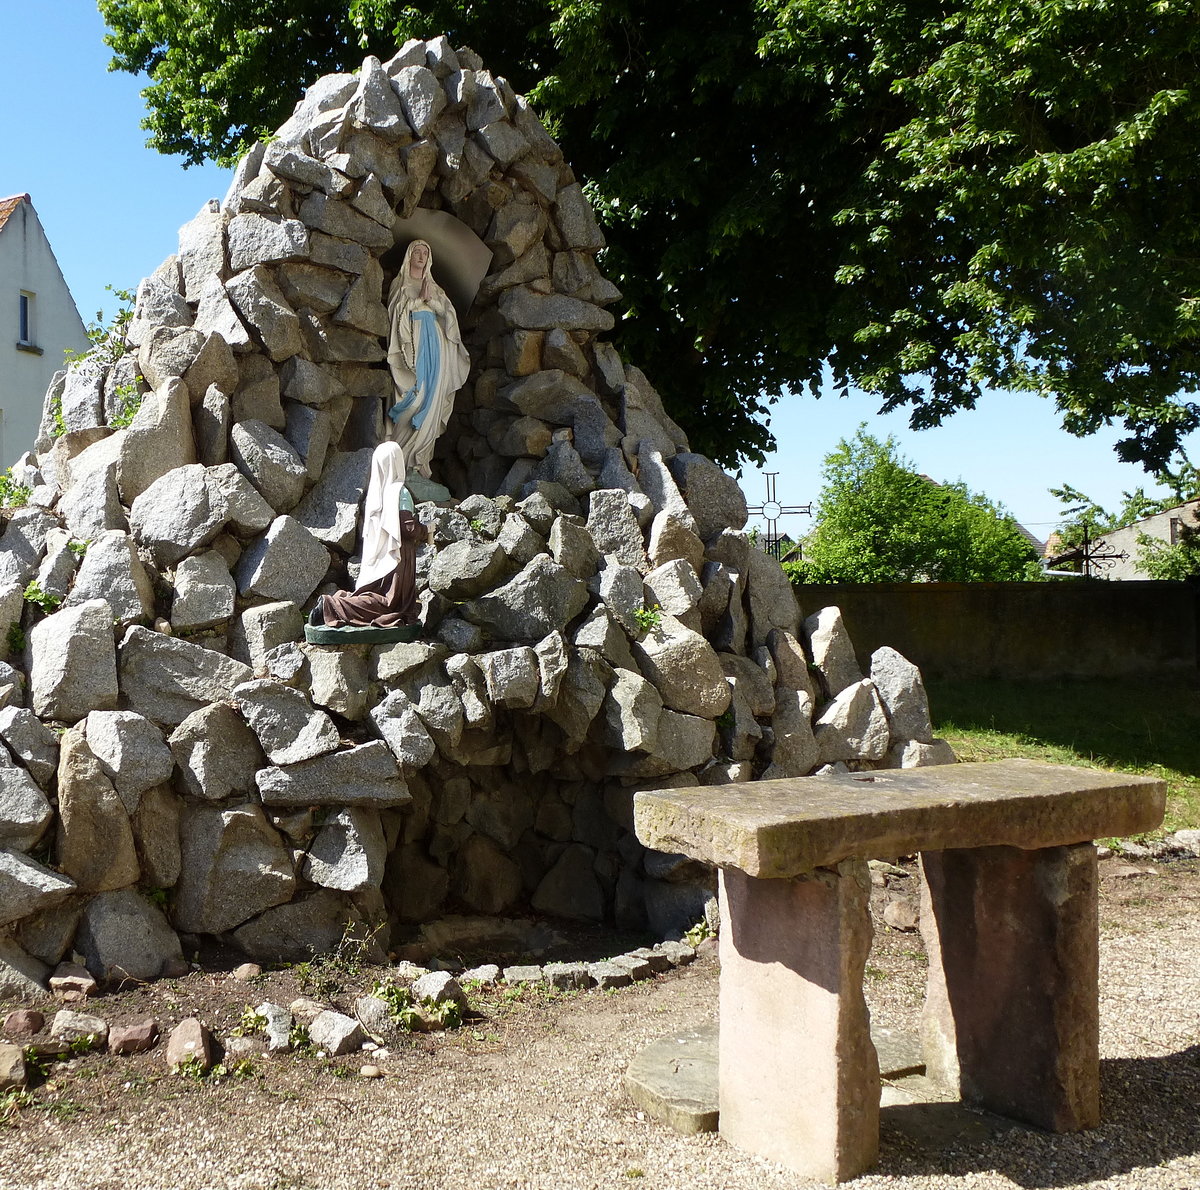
(1011,1018)
(779,829)
(24,809)
(402,728)
(131,751)
(772,601)
(189,506)
(234,866)
(156,834)
(73,668)
(348,852)
(541,598)
(71,980)
(570,889)
(853,726)
(793,953)
(215,315)
(133,1039)
(12,1066)
(335,1033)
(287,726)
(902,693)
(523,307)
(675,588)
(158,440)
(71,1026)
(330,511)
(795,753)
(365,775)
(23,1022)
(217,754)
(122,936)
(95,840)
(913,754)
(309,430)
(791,663)
(632,710)
(465,569)
(204,592)
(684,668)
(511,677)
(284,565)
(202,249)
(111,570)
(264,239)
(92,504)
(671,538)
(166,679)
(714,498)
(26,887)
(295,931)
(265,310)
(484,877)
(266,458)
(832,650)
(190,1043)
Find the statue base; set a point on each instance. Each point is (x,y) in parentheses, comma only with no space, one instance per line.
(321,634)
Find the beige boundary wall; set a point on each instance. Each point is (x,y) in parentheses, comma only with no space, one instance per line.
(1071,628)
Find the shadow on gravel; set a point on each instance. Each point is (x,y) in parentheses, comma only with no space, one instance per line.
(1148,1117)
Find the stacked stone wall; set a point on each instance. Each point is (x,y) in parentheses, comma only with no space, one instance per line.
(176,759)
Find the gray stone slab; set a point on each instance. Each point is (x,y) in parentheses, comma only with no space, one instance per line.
(779,829)
(674,1079)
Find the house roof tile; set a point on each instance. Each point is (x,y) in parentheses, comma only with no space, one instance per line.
(8,205)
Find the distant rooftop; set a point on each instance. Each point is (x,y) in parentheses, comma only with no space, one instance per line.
(8,205)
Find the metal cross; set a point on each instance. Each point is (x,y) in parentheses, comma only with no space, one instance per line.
(771,510)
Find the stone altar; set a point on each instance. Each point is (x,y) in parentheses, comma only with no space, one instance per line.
(1009,919)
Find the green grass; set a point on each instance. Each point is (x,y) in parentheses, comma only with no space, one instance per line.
(1141,726)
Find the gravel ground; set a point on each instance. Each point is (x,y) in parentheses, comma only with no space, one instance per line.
(535,1099)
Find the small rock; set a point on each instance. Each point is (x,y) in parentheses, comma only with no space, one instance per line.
(24,1022)
(567,976)
(305,1011)
(637,967)
(679,953)
(133,1039)
(278,1027)
(189,1039)
(71,1026)
(486,974)
(246,972)
(610,975)
(522,974)
(12,1067)
(371,1072)
(441,988)
(71,979)
(901,914)
(336,1033)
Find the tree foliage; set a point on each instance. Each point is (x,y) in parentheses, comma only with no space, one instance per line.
(918,199)
(879,521)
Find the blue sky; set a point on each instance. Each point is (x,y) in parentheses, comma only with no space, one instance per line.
(112,209)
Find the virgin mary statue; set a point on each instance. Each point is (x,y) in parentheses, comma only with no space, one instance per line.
(426,355)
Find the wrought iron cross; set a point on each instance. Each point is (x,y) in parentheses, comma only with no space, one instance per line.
(771,510)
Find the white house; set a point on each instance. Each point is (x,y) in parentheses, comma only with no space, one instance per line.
(38,322)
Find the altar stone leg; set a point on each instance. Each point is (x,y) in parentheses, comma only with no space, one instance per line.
(799,1078)
(1012,1010)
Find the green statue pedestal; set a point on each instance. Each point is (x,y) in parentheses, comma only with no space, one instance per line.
(320,634)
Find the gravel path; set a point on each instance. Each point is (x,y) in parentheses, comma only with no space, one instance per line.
(541,1105)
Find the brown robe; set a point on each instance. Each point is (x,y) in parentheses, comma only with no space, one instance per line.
(388,602)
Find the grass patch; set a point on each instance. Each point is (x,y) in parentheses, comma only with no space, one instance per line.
(1149,727)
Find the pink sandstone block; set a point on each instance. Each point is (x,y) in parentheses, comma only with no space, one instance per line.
(799,1078)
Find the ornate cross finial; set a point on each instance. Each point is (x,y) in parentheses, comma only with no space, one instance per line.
(771,510)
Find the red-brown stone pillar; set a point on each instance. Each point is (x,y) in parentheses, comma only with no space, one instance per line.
(799,1079)
(1012,1010)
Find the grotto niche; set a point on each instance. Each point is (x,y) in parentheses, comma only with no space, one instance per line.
(595,619)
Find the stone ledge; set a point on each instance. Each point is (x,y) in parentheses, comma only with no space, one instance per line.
(780,829)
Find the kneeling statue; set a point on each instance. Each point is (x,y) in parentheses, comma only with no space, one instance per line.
(385,595)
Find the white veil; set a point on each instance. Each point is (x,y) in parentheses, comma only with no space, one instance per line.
(381,514)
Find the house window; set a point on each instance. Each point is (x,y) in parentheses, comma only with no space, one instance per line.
(25,320)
